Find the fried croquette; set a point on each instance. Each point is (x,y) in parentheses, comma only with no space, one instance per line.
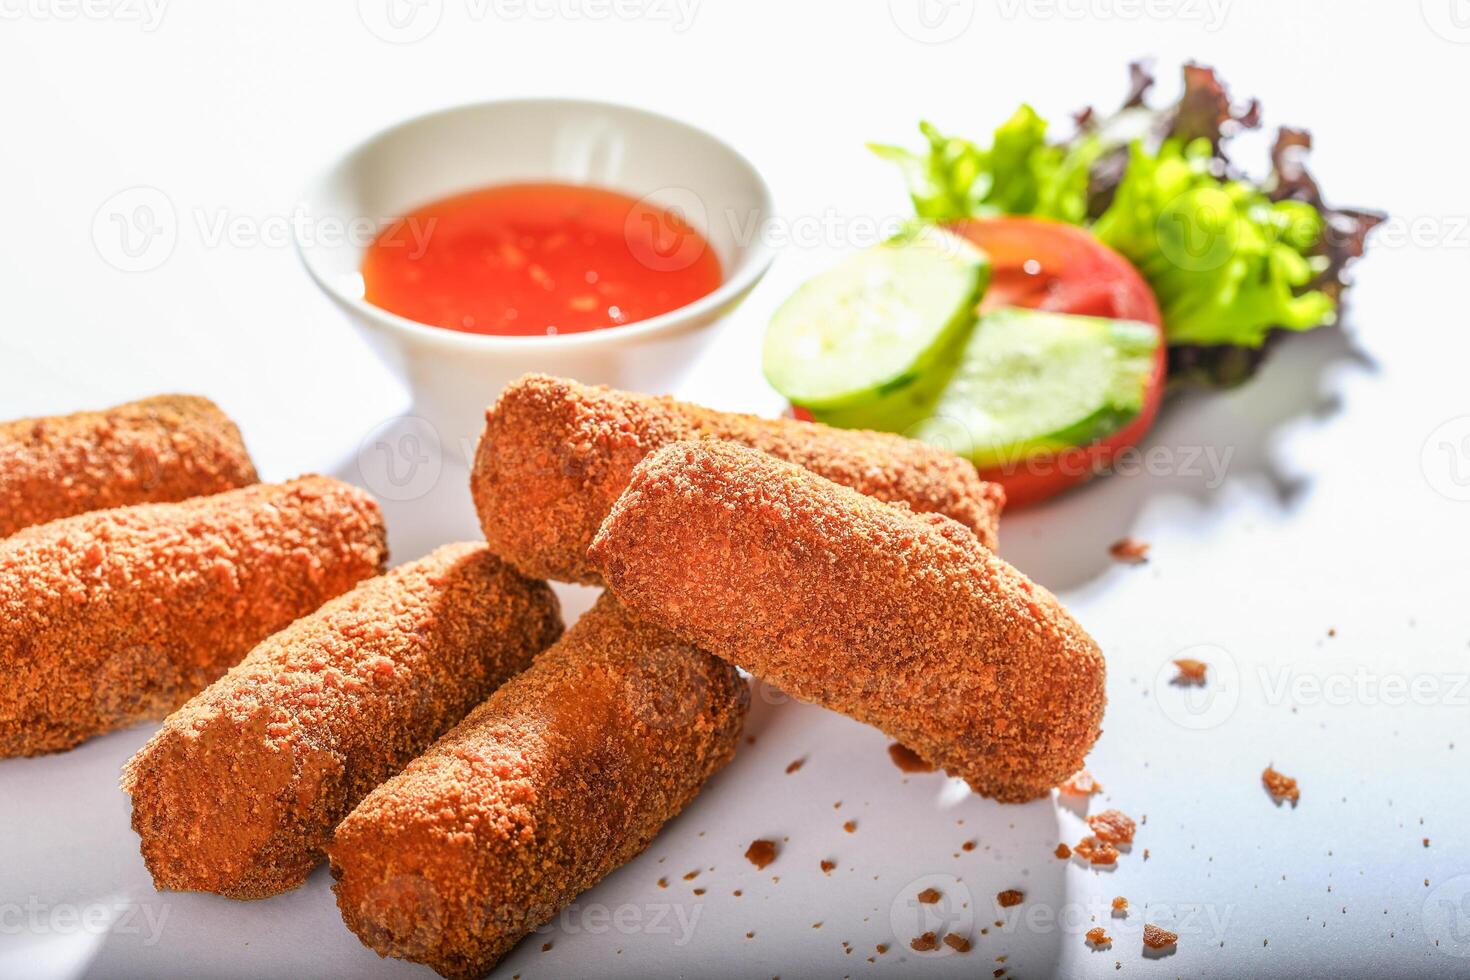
(900,620)
(117,616)
(158,450)
(239,791)
(564,774)
(556,454)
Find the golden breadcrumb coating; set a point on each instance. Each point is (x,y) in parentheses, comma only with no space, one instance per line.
(556,454)
(118,616)
(157,450)
(565,774)
(898,619)
(239,791)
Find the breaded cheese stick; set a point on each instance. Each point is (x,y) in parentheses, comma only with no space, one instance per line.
(897,619)
(239,791)
(563,775)
(117,616)
(156,450)
(555,455)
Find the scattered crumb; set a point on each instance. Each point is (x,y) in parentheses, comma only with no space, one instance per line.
(968,845)
(929,896)
(850,826)
(1130,551)
(761,853)
(1426,842)
(1112,826)
(699,891)
(1095,851)
(1120,904)
(956,942)
(924,944)
(1156,938)
(1010,897)
(1332,631)
(881,948)
(663,883)
(1280,787)
(1098,936)
(546,947)
(750,935)
(907,759)
(816,925)
(737,893)
(1145,854)
(1080,783)
(1191,671)
(828,866)
(795,765)
(1063,851)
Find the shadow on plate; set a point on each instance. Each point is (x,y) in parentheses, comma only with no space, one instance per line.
(1203,442)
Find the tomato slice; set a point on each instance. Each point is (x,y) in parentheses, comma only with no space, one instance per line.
(1046,265)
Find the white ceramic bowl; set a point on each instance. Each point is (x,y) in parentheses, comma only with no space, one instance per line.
(455,375)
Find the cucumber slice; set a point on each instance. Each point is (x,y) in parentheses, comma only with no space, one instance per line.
(1030,383)
(876,322)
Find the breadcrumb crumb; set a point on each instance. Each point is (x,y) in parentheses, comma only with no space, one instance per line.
(1191,671)
(1080,783)
(1129,551)
(761,853)
(1155,937)
(1281,787)
(1112,826)
(1095,851)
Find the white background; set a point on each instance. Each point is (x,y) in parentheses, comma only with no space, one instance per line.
(1343,504)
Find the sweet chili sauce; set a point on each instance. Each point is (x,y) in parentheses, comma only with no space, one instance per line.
(536,260)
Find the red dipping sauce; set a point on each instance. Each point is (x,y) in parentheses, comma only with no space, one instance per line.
(537,260)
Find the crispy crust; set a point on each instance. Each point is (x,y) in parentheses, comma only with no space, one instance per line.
(239,791)
(118,616)
(157,450)
(564,774)
(900,620)
(556,454)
